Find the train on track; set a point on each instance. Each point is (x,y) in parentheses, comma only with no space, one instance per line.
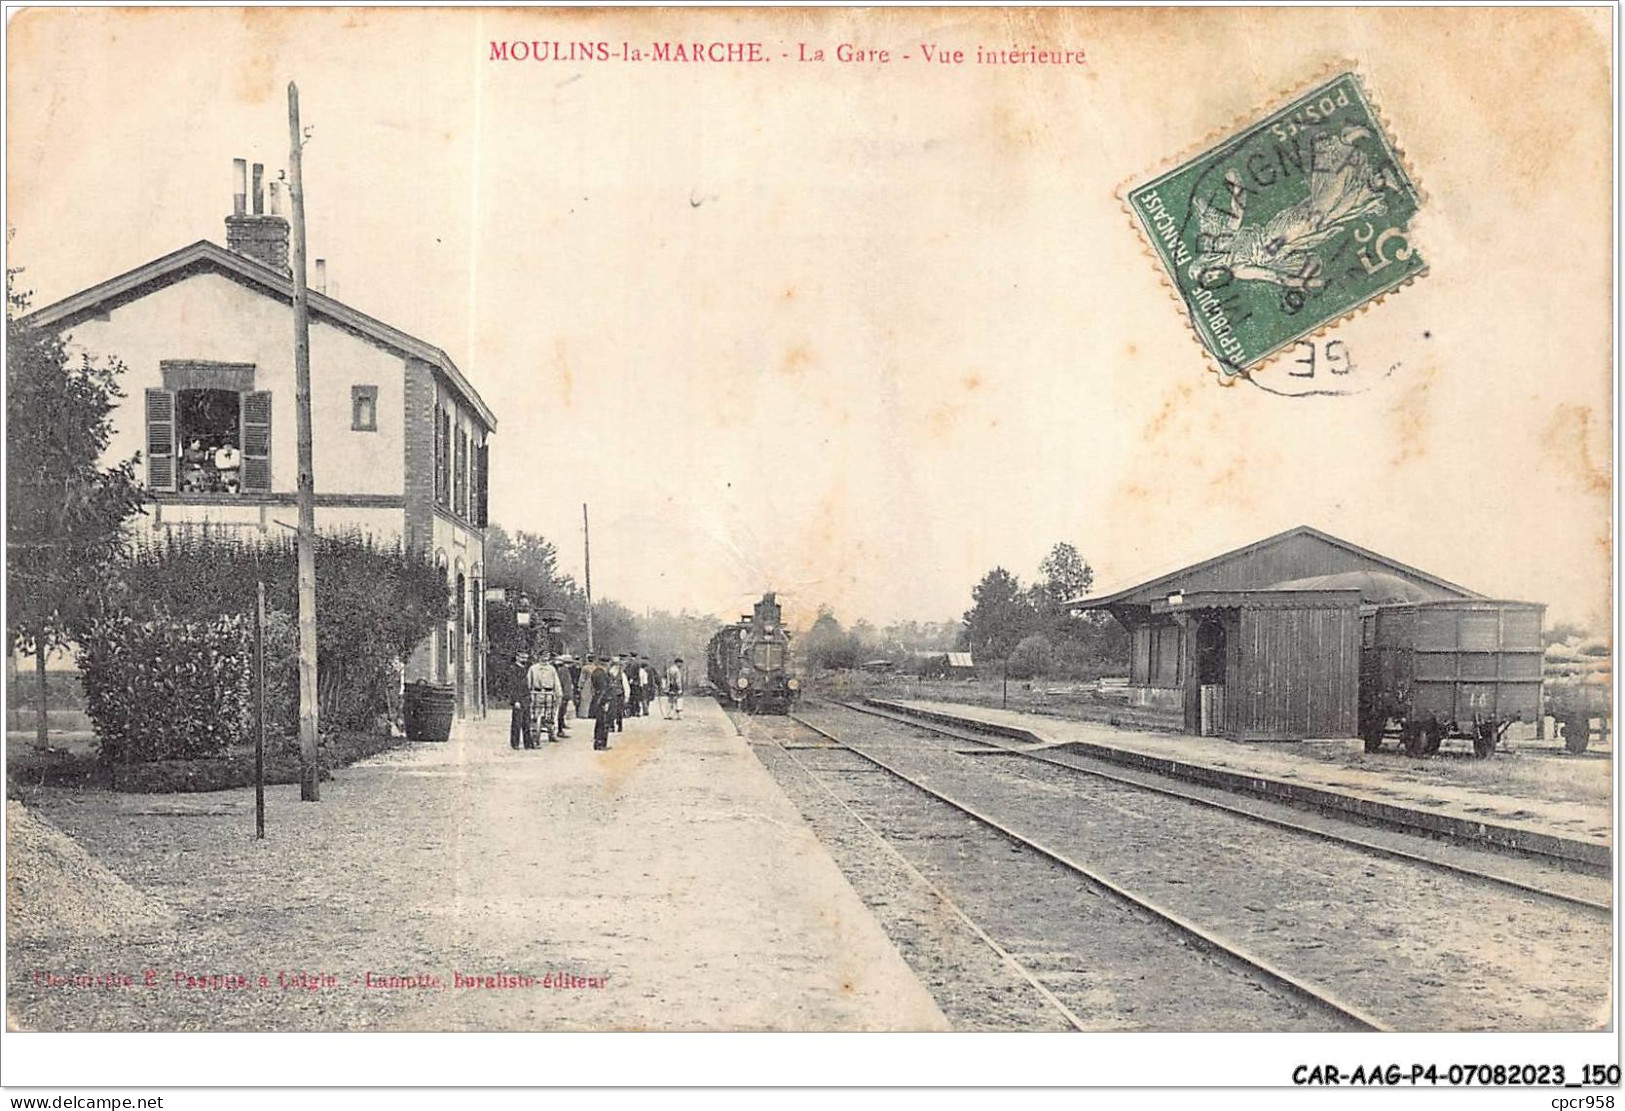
(748,662)
(1458,668)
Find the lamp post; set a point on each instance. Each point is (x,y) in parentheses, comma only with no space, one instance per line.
(521,617)
(552,622)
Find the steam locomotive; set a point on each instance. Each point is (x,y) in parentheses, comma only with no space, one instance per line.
(747,662)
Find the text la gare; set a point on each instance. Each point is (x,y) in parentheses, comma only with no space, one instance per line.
(846,52)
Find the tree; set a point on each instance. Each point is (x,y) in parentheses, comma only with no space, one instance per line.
(827,645)
(1064,575)
(1032,658)
(65,513)
(1001,614)
(529,562)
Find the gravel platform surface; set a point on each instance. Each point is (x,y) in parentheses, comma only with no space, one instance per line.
(666,884)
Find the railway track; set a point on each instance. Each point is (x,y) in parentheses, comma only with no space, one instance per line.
(1342,1015)
(1143,782)
(1354,946)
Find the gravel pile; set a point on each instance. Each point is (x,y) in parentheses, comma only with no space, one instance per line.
(54,888)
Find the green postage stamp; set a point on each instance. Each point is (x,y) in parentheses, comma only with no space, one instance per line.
(1285,226)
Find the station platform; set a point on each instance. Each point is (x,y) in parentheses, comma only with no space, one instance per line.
(666,884)
(1563,823)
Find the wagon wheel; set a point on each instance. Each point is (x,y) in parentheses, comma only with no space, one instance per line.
(1576,733)
(1484,739)
(1412,738)
(1371,730)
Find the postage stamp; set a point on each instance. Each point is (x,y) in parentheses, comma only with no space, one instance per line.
(1285,226)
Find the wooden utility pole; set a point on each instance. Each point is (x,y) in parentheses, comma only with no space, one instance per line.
(586,536)
(310,782)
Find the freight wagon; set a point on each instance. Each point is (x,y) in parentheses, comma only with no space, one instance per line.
(1458,668)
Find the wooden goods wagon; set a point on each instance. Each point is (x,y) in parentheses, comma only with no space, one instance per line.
(1459,668)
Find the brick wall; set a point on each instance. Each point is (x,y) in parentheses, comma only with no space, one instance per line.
(419,447)
(260,237)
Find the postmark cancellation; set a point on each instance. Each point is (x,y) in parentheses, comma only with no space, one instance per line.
(1285,226)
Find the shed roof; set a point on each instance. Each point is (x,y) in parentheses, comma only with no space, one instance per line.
(204,255)
(1259,566)
(960,659)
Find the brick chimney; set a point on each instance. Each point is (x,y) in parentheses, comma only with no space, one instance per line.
(260,235)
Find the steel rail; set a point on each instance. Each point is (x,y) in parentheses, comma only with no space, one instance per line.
(1369,847)
(1210,941)
(1010,959)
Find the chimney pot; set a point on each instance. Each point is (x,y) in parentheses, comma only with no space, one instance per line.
(276,200)
(259,193)
(239,186)
(321,275)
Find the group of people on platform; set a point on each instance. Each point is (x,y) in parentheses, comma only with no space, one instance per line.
(607,689)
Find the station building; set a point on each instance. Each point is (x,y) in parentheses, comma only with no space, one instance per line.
(399,434)
(1263,642)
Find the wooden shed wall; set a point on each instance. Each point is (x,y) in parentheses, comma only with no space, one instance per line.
(1295,674)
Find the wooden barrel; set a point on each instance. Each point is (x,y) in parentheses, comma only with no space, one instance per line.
(429,710)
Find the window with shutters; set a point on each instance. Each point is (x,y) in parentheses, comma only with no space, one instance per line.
(442,456)
(482,485)
(208,441)
(460,506)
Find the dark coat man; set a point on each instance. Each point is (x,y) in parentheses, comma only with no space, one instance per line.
(634,685)
(567,692)
(602,705)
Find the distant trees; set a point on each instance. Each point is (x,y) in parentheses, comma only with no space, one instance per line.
(529,562)
(1034,628)
(1001,614)
(826,645)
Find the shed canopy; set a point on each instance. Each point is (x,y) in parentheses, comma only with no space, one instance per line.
(959,659)
(1377,588)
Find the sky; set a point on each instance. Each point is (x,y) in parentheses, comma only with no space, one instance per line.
(861,332)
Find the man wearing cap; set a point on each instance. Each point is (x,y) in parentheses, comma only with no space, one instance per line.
(513,688)
(674,689)
(650,682)
(542,680)
(617,692)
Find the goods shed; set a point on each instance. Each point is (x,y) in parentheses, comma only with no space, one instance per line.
(1264,642)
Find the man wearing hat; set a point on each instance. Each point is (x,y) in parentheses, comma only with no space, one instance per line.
(567,692)
(602,708)
(634,686)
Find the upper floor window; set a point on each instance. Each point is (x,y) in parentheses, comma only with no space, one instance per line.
(208,440)
(460,504)
(442,456)
(363,408)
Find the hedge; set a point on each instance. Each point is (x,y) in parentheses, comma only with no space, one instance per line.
(374,605)
(162,689)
